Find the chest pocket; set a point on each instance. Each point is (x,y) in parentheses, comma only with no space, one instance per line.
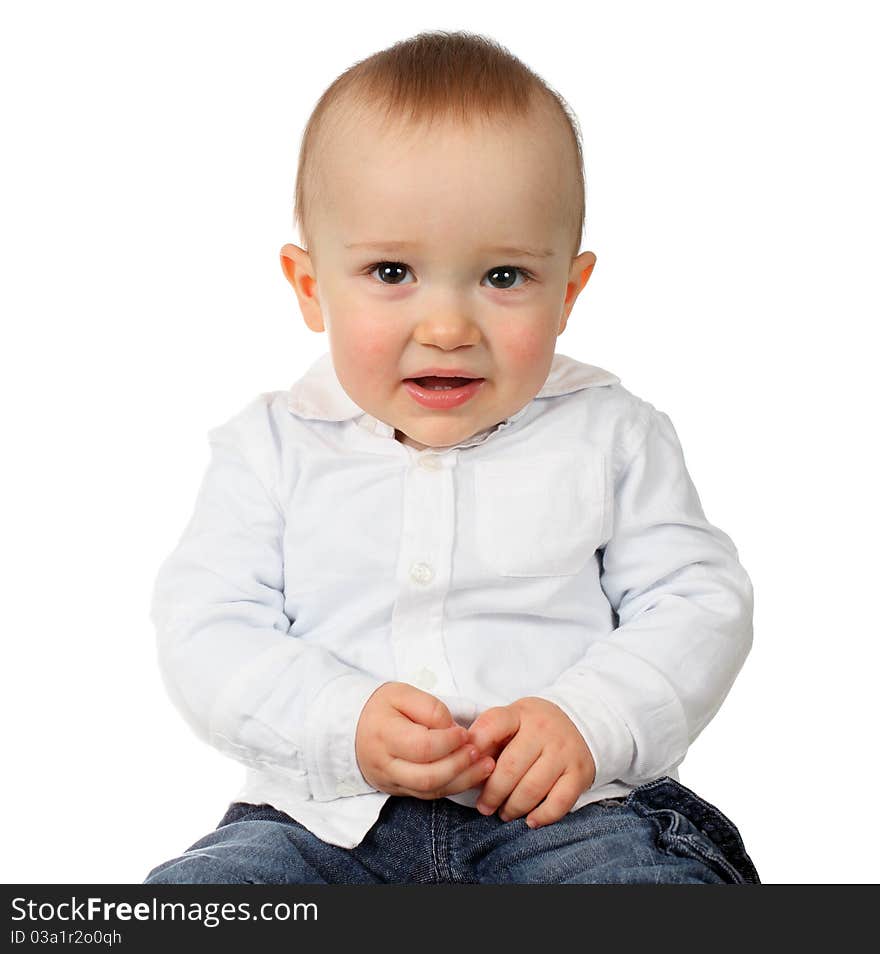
(542,517)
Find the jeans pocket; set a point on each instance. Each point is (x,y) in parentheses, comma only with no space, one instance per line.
(691,826)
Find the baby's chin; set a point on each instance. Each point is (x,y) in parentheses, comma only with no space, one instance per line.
(418,445)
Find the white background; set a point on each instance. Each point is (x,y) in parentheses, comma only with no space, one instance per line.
(147,179)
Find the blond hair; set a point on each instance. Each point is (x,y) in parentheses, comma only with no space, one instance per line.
(451,75)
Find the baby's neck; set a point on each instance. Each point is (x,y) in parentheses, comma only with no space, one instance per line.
(407,441)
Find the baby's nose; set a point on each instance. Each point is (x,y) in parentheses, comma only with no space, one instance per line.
(448,328)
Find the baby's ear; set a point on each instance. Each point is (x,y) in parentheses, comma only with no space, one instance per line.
(296,263)
(581,269)
(578,276)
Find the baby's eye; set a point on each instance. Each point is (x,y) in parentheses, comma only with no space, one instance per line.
(393,273)
(390,273)
(505,275)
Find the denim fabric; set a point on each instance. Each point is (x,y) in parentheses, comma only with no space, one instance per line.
(661,833)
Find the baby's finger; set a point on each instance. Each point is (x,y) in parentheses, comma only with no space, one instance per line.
(470,777)
(534,786)
(516,759)
(416,743)
(429,780)
(493,726)
(420,707)
(558,803)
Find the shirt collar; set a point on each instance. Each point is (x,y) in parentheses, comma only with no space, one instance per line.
(318,395)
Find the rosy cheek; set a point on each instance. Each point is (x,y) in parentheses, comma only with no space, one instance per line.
(372,353)
(373,344)
(367,335)
(525,345)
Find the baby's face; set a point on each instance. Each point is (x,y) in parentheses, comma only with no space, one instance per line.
(414,269)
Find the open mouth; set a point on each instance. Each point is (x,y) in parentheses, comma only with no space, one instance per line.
(435,383)
(442,392)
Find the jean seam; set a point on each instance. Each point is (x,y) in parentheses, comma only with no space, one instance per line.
(698,847)
(443,841)
(458,874)
(716,821)
(712,855)
(435,864)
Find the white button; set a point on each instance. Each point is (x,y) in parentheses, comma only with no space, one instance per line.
(345,788)
(426,679)
(421,573)
(430,462)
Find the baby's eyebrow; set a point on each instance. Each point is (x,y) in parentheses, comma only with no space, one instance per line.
(394,246)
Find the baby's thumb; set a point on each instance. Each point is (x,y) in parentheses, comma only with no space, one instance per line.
(492,728)
(423,708)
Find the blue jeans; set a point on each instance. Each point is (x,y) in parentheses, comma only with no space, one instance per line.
(661,833)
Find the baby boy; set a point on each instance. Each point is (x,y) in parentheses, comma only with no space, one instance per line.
(452,598)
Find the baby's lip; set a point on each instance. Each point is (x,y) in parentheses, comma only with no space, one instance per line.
(443,373)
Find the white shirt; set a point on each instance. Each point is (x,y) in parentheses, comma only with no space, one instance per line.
(563,553)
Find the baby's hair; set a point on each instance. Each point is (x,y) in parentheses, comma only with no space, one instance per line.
(458,76)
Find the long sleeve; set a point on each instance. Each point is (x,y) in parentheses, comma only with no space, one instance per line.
(242,682)
(642,694)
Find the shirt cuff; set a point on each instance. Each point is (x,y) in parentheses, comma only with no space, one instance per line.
(606,734)
(331,762)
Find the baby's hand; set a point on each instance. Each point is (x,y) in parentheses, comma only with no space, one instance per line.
(546,762)
(407,743)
